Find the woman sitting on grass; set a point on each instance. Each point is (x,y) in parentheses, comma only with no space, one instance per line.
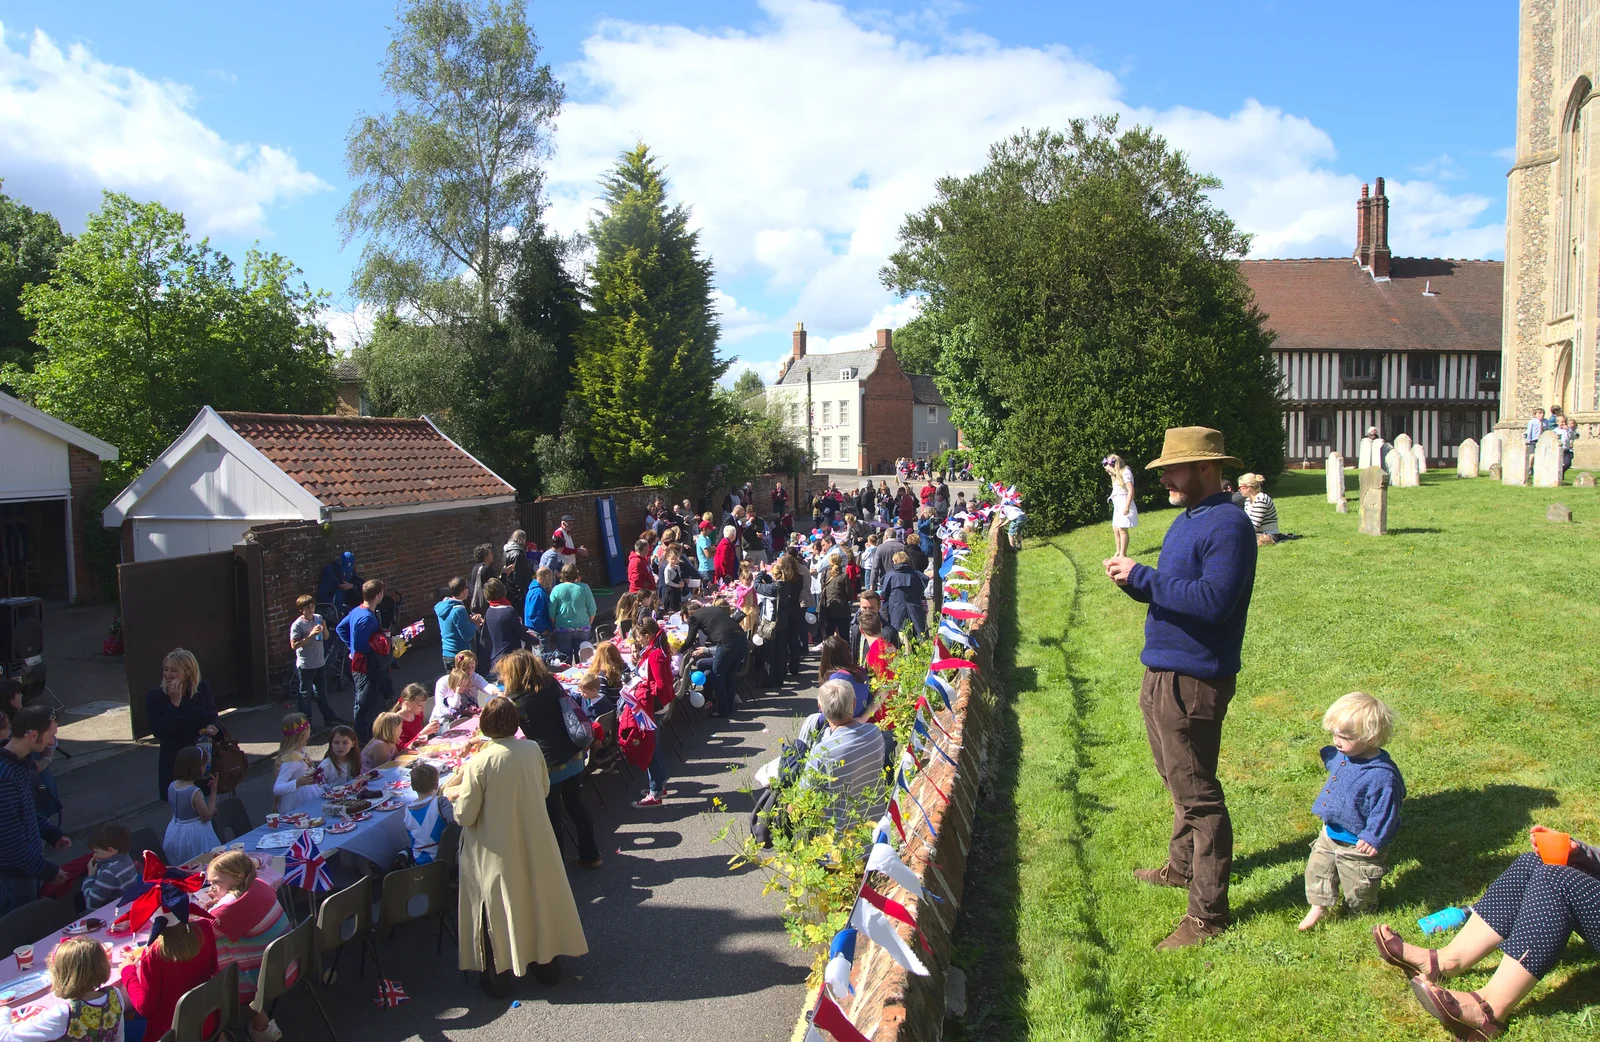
(1263,515)
(1528,913)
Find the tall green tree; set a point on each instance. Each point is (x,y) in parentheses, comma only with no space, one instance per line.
(916,345)
(647,361)
(30,242)
(140,326)
(1085,295)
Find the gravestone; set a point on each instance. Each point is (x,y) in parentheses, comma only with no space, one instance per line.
(1489,451)
(1343,506)
(1391,463)
(1558,512)
(1494,472)
(1513,461)
(1467,459)
(1374,503)
(1584,480)
(1369,453)
(1420,454)
(1405,465)
(1335,467)
(1547,461)
(1403,444)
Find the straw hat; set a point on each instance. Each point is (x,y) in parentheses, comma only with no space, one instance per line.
(1192,445)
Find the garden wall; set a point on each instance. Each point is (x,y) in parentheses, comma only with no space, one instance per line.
(891,1005)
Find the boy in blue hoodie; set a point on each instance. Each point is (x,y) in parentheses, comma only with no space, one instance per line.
(1359,807)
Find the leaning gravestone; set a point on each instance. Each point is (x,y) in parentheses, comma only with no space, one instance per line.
(1467,459)
(1513,461)
(1374,503)
(1420,454)
(1558,512)
(1335,478)
(1547,461)
(1584,480)
(1488,450)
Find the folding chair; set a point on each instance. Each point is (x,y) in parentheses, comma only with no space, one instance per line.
(341,918)
(32,921)
(416,893)
(232,819)
(143,840)
(741,679)
(605,633)
(285,965)
(217,997)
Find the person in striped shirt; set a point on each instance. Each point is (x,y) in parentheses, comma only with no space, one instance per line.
(848,758)
(1258,505)
(111,869)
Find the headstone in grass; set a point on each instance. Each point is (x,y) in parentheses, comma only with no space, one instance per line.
(1335,478)
(1467,459)
(1513,461)
(1547,461)
(1369,453)
(1559,512)
(1391,463)
(1494,472)
(1584,480)
(1420,454)
(1405,465)
(1374,503)
(1488,451)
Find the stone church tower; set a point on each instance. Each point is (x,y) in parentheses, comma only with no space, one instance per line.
(1552,272)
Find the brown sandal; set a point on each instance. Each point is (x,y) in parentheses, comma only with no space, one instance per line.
(1391,950)
(1446,1009)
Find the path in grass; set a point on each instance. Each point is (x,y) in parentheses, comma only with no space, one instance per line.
(1475,620)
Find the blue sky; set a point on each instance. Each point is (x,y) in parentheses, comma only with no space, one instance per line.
(799,131)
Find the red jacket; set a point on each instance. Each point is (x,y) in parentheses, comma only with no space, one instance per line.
(155,985)
(640,577)
(725,562)
(657,668)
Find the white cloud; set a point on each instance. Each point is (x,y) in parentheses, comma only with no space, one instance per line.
(71,126)
(802,145)
(350,323)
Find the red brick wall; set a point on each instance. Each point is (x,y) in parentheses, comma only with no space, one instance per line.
(414,554)
(83,473)
(885,415)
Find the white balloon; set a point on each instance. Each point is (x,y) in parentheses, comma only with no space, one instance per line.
(756,640)
(697,698)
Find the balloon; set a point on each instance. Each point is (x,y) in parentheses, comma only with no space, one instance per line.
(811,618)
(697,698)
(697,678)
(756,640)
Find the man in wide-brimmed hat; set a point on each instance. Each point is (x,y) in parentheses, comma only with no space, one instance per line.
(1199,595)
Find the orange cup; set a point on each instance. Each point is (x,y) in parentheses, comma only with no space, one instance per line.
(1553,847)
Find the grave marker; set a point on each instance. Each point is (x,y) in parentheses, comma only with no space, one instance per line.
(1374,503)
(1547,461)
(1335,467)
(1467,459)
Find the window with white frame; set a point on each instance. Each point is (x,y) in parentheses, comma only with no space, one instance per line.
(827,447)
(922,448)
(933,414)
(827,412)
(794,413)
(844,448)
(844,411)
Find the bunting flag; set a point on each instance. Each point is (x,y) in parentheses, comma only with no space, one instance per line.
(920,729)
(872,920)
(842,954)
(830,1018)
(943,664)
(390,994)
(893,816)
(884,859)
(900,783)
(305,867)
(948,630)
(961,582)
(894,910)
(942,686)
(955,611)
(923,703)
(921,769)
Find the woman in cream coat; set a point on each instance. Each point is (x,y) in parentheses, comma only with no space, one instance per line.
(516,905)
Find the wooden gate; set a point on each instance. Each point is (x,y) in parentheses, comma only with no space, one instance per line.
(210,604)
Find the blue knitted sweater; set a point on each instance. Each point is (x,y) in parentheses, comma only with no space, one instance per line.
(1361,797)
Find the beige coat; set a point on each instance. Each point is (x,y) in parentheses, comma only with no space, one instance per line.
(510,862)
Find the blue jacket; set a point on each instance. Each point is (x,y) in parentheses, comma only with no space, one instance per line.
(356,630)
(456,628)
(536,609)
(1199,591)
(22,830)
(1361,797)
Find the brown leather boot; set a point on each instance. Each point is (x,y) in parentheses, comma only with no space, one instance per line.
(1190,932)
(1163,876)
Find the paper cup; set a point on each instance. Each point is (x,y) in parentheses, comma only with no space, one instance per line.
(1553,847)
(24,956)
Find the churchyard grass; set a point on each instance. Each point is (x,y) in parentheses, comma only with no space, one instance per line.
(1475,619)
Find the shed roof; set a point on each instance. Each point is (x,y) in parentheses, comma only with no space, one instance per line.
(1329,304)
(43,421)
(361,462)
(924,391)
(826,366)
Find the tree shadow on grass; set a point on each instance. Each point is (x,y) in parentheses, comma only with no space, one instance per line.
(1456,836)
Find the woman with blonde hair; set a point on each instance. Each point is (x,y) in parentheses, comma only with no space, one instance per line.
(179,711)
(1263,515)
(246,918)
(1124,511)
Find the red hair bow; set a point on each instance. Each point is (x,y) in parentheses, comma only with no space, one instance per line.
(162,889)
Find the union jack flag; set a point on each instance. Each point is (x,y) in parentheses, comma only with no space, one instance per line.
(305,867)
(390,994)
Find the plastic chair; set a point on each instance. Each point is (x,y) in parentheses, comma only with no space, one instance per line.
(341,918)
(403,887)
(232,819)
(285,965)
(605,633)
(32,921)
(218,997)
(143,840)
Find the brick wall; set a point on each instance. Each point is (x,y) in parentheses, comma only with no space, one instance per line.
(885,416)
(414,554)
(83,473)
(891,1005)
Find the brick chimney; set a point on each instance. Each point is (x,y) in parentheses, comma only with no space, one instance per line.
(1363,254)
(799,350)
(885,338)
(1380,233)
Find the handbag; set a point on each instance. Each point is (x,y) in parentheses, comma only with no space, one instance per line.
(578,730)
(228,761)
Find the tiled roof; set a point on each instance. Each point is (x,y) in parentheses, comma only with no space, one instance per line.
(359,462)
(1331,304)
(924,391)
(345,370)
(826,366)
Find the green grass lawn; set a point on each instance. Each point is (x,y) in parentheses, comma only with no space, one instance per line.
(1476,620)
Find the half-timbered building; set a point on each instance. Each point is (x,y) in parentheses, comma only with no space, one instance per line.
(1407,345)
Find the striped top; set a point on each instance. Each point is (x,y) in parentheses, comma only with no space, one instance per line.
(848,760)
(245,924)
(1263,515)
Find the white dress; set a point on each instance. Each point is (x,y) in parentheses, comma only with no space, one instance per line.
(1124,511)
(186,835)
(294,798)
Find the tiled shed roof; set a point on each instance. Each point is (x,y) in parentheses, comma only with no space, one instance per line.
(360,462)
(924,391)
